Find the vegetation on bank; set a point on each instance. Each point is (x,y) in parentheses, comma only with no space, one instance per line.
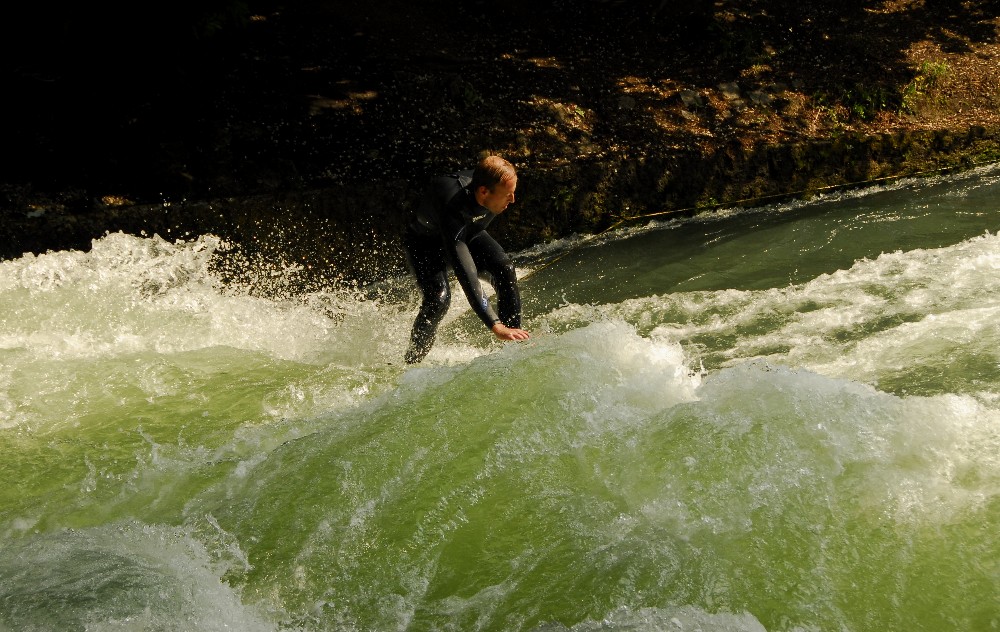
(254,120)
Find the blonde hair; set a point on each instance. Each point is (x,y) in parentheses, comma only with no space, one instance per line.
(490,171)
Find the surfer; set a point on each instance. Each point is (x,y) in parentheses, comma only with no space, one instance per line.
(447,229)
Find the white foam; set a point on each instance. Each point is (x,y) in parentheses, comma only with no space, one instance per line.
(126,576)
(676,619)
(133,294)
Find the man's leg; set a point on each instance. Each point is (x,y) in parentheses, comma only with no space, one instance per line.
(427,261)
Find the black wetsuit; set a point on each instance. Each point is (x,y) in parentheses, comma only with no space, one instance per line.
(448,229)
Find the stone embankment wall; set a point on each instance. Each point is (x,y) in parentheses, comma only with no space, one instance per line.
(351,233)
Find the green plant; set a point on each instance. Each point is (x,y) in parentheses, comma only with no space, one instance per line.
(926,79)
(563,199)
(865,102)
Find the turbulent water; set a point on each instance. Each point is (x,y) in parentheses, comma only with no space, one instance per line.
(782,418)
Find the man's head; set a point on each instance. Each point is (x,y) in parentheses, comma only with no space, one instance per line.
(493,184)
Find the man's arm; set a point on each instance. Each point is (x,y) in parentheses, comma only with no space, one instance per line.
(468,278)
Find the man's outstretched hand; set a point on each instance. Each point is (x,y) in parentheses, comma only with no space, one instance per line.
(504,332)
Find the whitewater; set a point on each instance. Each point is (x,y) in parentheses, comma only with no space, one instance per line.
(781,418)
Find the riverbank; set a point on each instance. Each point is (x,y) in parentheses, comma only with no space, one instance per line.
(304,134)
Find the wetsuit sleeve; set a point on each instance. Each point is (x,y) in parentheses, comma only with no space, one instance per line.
(468,278)
(461,220)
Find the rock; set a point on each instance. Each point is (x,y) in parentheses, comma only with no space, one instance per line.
(730,90)
(691,99)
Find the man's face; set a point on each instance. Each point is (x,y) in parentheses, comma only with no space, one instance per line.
(502,195)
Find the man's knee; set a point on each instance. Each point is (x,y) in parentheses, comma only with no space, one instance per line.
(505,274)
(436,302)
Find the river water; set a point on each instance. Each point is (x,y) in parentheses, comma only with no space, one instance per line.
(778,418)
